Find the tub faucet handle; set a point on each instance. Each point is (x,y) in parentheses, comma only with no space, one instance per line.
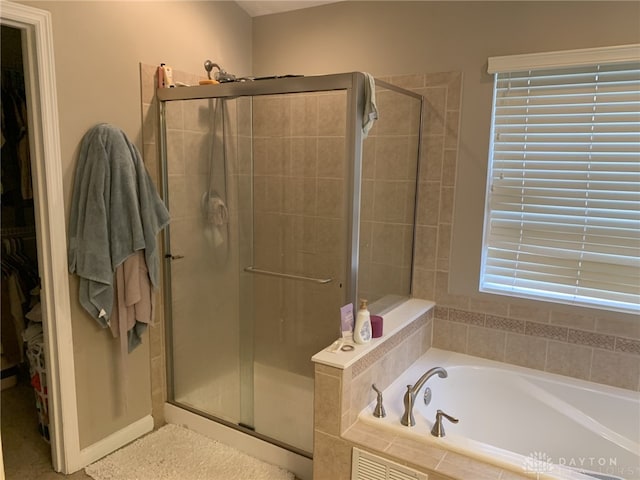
(378,412)
(438,429)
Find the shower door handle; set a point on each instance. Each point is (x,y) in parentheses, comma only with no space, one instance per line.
(322,281)
(174,257)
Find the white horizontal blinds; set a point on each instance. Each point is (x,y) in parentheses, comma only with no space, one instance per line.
(564,199)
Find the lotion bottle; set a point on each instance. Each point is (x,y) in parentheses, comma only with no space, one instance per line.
(362,330)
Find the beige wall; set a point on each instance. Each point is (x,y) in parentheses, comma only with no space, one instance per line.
(98,50)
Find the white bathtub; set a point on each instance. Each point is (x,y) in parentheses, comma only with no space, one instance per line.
(521,419)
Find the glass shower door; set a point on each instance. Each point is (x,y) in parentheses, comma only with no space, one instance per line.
(258,191)
(298,271)
(204,302)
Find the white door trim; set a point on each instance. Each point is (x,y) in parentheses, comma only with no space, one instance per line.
(46,163)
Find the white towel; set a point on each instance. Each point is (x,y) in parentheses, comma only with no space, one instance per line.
(370,107)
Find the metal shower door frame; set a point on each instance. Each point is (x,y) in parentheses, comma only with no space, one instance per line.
(353,83)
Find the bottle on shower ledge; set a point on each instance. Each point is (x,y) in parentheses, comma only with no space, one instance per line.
(362,330)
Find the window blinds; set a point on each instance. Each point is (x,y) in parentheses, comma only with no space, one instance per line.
(562,221)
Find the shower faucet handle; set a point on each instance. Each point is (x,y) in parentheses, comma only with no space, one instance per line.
(378,412)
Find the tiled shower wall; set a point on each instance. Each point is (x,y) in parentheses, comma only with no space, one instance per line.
(300,219)
(601,347)
(387,207)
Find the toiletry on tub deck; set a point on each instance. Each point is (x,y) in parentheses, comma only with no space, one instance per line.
(376,326)
(362,330)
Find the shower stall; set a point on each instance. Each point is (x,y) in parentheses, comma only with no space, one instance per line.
(281,213)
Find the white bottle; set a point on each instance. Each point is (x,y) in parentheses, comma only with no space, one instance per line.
(362,330)
(167,73)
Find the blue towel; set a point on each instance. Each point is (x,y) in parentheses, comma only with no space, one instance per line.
(115,211)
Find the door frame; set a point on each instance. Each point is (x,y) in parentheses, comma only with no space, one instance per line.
(46,164)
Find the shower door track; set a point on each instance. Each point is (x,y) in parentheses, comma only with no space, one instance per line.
(243,429)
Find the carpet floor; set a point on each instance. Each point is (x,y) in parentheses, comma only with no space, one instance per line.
(176,453)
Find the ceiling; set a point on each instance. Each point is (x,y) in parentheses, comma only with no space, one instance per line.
(256,8)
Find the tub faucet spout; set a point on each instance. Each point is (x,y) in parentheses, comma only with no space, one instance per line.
(410,395)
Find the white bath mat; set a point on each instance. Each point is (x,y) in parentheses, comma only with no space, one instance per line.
(176,453)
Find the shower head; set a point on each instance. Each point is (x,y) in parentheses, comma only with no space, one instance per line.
(221,76)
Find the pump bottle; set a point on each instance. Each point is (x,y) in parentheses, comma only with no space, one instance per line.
(362,330)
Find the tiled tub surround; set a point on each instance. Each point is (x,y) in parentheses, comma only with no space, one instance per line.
(342,393)
(507,412)
(544,342)
(343,383)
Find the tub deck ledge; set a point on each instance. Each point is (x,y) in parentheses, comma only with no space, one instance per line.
(438,463)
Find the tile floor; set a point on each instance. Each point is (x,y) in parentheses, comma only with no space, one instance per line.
(26,455)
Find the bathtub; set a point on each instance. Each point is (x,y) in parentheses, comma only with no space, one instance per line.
(524,420)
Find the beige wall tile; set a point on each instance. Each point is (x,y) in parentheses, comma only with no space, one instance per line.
(271,116)
(451,129)
(331,157)
(431,168)
(330,197)
(488,305)
(503,323)
(526,351)
(392,158)
(446,205)
(428,203)
(627,345)
(536,313)
(332,457)
(570,360)
(623,326)
(463,316)
(426,247)
(450,335)
(616,369)
(591,339)
(304,115)
(445,298)
(571,319)
(424,284)
(486,343)
(368,436)
(546,331)
(444,244)
(463,467)
(327,403)
(332,113)
(421,455)
(398,109)
(304,157)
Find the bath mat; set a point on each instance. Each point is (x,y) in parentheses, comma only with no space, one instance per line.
(176,453)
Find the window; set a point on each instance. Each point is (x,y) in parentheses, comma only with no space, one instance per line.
(562,216)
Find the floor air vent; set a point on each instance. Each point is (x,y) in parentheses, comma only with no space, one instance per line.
(366,466)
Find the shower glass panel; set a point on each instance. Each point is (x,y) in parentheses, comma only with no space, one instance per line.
(390,156)
(300,229)
(203,176)
(262,250)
